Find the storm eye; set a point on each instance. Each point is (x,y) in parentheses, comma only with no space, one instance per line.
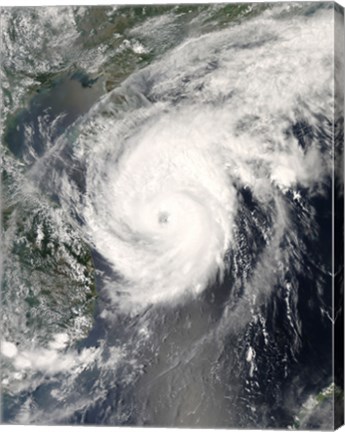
(163,218)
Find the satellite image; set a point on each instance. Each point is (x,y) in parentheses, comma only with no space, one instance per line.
(172,196)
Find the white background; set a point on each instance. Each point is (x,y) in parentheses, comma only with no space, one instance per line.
(105,2)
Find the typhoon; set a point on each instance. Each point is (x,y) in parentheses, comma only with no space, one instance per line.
(197,190)
(166,162)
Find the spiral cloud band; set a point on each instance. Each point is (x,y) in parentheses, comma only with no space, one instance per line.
(167,153)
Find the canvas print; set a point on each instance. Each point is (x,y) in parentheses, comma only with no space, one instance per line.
(172,215)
